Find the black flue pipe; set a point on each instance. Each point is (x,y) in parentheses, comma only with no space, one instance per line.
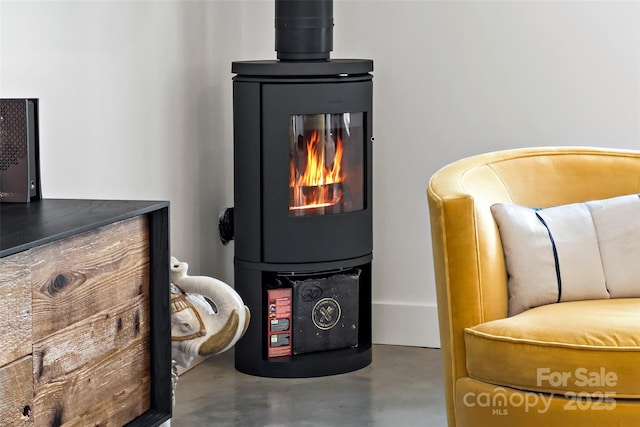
(304,29)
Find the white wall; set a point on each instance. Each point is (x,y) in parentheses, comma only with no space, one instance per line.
(453,79)
(136,104)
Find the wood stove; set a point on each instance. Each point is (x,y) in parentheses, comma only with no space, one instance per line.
(302,219)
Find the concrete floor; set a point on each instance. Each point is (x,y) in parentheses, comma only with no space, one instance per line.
(401,388)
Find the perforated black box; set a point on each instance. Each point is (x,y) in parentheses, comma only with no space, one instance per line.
(19,162)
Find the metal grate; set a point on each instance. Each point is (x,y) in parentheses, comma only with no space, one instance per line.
(13,132)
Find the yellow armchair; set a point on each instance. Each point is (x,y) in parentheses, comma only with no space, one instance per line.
(565,364)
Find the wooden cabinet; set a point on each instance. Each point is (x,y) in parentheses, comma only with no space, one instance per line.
(84,316)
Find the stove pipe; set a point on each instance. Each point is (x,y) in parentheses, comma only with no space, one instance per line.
(304,29)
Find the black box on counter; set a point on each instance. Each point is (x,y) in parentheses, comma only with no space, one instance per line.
(19,151)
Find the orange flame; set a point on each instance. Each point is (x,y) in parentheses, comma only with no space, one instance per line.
(314,187)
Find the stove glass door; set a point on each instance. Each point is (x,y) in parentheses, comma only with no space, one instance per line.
(326,157)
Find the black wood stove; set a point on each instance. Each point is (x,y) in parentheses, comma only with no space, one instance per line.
(302,220)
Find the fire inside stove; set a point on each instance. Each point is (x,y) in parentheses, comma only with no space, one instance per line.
(325,164)
(320,184)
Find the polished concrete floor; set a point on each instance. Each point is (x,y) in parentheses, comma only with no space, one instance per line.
(401,388)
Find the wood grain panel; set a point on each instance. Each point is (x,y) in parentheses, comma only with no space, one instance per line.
(92,339)
(16,393)
(110,391)
(78,277)
(15,307)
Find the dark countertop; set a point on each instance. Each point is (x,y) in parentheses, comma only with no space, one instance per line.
(27,225)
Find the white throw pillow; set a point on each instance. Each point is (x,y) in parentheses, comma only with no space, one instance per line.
(571,252)
(617,223)
(551,255)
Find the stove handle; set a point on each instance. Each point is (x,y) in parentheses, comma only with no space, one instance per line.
(225,225)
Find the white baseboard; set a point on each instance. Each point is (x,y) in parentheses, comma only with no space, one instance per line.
(405,324)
